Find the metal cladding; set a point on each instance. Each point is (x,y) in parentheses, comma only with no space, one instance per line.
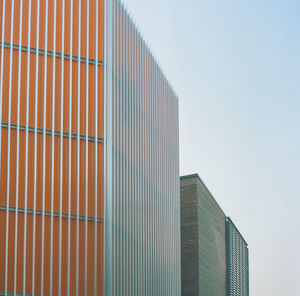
(51,147)
(89,171)
(214,255)
(203,253)
(237,262)
(142,233)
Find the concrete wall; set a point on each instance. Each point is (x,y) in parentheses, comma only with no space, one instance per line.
(189,238)
(203,250)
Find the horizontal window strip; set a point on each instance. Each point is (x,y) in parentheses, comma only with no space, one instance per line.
(50,53)
(47,213)
(49,132)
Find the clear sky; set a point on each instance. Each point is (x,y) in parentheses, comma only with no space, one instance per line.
(235,66)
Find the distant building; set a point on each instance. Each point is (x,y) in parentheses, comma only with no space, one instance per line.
(203,252)
(214,256)
(237,261)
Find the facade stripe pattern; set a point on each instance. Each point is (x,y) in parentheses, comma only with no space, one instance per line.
(51,147)
(237,262)
(142,224)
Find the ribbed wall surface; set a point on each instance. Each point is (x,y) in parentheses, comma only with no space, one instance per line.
(189,237)
(51,150)
(202,240)
(212,254)
(237,262)
(142,247)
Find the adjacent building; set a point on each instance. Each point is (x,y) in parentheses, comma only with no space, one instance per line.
(237,261)
(214,256)
(203,244)
(89,170)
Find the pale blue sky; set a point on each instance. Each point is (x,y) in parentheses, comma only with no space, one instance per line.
(235,66)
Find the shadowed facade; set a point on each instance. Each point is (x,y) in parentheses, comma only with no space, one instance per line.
(214,255)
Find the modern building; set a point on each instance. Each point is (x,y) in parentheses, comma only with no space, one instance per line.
(203,245)
(237,261)
(214,256)
(89,170)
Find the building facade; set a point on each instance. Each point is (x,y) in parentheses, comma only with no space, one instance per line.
(237,261)
(89,171)
(214,257)
(203,250)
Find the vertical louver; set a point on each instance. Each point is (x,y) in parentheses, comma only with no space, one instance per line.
(142,249)
(237,262)
(88,154)
(51,147)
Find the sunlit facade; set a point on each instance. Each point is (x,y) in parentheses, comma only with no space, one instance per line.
(89,171)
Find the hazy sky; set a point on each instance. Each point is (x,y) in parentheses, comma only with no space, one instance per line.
(235,66)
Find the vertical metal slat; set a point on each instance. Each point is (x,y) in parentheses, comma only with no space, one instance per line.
(61,144)
(44,150)
(8,145)
(52,147)
(35,148)
(86,144)
(1,74)
(26,147)
(96,156)
(78,147)
(70,148)
(18,149)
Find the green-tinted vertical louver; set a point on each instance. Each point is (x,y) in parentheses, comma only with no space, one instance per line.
(142,220)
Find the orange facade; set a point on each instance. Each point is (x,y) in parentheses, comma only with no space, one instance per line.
(40,157)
